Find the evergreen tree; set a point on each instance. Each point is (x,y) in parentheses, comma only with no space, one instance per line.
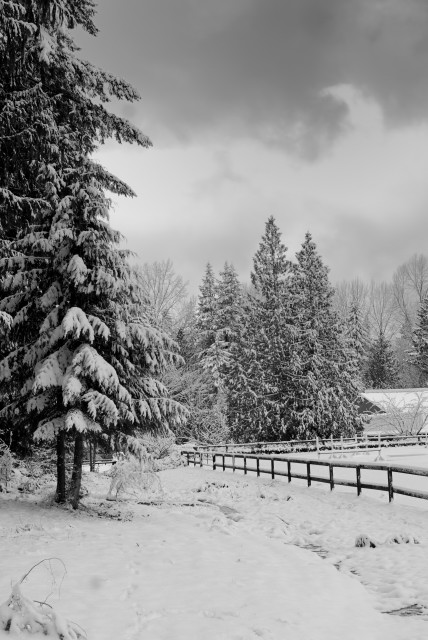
(206,314)
(83,360)
(228,307)
(324,385)
(247,410)
(419,353)
(260,372)
(409,374)
(209,349)
(356,339)
(228,310)
(382,370)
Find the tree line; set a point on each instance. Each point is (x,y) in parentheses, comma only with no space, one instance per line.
(288,355)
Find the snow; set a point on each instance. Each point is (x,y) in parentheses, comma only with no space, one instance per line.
(220,555)
(76,325)
(399,398)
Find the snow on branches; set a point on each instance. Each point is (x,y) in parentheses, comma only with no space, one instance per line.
(19,614)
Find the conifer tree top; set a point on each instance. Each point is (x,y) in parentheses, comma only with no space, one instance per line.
(270,266)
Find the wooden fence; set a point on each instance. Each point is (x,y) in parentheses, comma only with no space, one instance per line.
(293,446)
(222,460)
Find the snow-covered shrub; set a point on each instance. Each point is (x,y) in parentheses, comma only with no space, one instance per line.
(20,614)
(158,447)
(6,465)
(133,474)
(401,539)
(364,541)
(35,473)
(163,450)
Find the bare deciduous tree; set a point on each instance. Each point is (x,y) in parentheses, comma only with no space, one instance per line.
(348,293)
(164,289)
(410,285)
(382,310)
(403,417)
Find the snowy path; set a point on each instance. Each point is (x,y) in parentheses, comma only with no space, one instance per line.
(224,568)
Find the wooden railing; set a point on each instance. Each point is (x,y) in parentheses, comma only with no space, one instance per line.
(99,461)
(293,446)
(222,460)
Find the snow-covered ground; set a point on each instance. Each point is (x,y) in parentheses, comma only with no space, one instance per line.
(222,556)
(413,456)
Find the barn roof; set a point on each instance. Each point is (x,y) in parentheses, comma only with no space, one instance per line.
(402,399)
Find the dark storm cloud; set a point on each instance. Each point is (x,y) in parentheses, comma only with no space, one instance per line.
(260,67)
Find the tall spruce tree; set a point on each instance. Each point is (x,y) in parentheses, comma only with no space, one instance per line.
(247,410)
(206,313)
(356,338)
(229,322)
(382,370)
(325,388)
(419,353)
(260,371)
(228,309)
(82,360)
(210,352)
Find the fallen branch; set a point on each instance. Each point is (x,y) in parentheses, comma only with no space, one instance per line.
(20,614)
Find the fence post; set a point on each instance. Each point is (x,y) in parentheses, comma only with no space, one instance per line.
(330,466)
(308,473)
(201,462)
(289,470)
(245,465)
(233,463)
(272,468)
(390,486)
(214,462)
(258,466)
(358,470)
(318,447)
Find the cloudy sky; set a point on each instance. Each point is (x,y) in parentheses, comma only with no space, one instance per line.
(314,111)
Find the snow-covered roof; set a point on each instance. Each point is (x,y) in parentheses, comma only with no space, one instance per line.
(402,399)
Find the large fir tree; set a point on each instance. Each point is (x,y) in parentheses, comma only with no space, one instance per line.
(324,385)
(382,369)
(356,338)
(209,349)
(419,353)
(82,360)
(260,371)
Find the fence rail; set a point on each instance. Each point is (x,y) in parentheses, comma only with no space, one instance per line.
(222,460)
(321,444)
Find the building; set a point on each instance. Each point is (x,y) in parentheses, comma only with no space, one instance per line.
(395,411)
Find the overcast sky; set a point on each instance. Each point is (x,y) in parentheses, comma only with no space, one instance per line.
(313,111)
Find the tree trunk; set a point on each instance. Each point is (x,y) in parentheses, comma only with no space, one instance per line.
(60,467)
(76,478)
(91,456)
(92,453)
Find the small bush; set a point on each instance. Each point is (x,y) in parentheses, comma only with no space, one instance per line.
(6,465)
(19,615)
(364,541)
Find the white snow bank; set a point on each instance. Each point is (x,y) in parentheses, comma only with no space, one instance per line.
(225,568)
